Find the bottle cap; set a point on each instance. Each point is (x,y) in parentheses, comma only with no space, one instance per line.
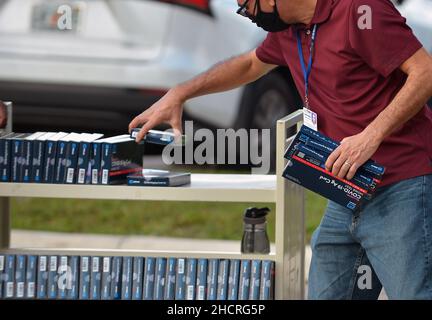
(255,215)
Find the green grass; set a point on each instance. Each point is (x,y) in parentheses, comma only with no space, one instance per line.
(157,218)
(170,219)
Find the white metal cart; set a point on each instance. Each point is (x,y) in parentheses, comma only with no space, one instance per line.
(288,197)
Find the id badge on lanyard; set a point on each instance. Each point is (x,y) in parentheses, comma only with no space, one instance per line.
(310,118)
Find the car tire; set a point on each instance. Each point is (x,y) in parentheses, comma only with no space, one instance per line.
(264,102)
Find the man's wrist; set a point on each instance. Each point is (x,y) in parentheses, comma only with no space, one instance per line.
(179,94)
(374,134)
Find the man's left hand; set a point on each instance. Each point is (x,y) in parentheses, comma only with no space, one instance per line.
(3,115)
(352,153)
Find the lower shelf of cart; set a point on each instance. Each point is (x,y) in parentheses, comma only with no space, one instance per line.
(138,253)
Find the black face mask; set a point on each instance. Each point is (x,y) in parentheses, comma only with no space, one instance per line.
(269,21)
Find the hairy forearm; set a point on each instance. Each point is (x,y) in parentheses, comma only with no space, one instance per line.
(223,76)
(406,104)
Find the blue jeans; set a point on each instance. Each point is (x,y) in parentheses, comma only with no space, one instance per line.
(387,243)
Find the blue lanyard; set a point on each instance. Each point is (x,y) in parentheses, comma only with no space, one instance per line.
(306,72)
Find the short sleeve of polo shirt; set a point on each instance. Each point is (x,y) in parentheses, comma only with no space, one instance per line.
(384,41)
(270,51)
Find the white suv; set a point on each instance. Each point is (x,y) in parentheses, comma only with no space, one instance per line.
(122,55)
(419,17)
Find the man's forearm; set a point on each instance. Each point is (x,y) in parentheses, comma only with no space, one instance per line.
(406,104)
(357,149)
(223,76)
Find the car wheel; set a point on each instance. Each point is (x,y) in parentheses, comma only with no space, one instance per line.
(264,102)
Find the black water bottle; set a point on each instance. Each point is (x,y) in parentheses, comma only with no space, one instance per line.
(255,239)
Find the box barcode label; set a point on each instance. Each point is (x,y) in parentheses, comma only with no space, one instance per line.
(81,175)
(70,175)
(2,263)
(63,261)
(94,176)
(95,264)
(181,265)
(85,264)
(63,264)
(43,263)
(9,289)
(53,264)
(105,176)
(200,295)
(20,290)
(189,294)
(106,265)
(31,290)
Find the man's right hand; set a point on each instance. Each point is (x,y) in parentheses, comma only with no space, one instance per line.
(223,76)
(168,109)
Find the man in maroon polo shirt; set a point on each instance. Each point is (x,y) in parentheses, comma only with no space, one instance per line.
(367,79)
